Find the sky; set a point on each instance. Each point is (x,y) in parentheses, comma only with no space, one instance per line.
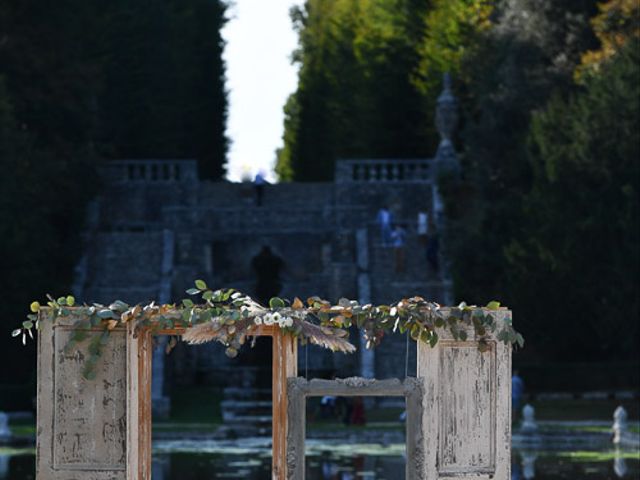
(260,77)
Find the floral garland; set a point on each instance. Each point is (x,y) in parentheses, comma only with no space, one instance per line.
(231,317)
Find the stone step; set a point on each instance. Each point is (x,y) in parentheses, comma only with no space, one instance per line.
(237,393)
(244,404)
(382,260)
(229,418)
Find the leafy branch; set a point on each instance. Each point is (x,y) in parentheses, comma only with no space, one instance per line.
(231,318)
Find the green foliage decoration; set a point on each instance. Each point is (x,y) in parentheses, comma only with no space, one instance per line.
(231,318)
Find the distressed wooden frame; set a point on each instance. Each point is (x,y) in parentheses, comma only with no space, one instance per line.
(140,356)
(76,430)
(299,389)
(461,396)
(467,406)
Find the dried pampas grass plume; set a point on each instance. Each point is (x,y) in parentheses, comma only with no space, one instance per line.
(327,337)
(202,333)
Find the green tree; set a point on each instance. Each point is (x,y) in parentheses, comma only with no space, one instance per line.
(577,263)
(164,94)
(617,23)
(530,51)
(355,96)
(453,34)
(49,85)
(82,81)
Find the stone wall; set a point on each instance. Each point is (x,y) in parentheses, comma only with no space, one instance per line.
(216,229)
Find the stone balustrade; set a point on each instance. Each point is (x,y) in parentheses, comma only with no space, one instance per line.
(150,171)
(383,170)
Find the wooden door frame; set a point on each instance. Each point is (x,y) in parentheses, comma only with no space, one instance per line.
(411,389)
(139,367)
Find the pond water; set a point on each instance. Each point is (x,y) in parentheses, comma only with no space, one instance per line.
(249,459)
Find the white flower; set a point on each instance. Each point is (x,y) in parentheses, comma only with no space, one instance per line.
(257,321)
(276,317)
(288,322)
(267,319)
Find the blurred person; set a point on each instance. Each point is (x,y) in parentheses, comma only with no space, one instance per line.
(423,227)
(398,240)
(384,220)
(433,247)
(327,406)
(258,183)
(517,392)
(357,412)
(346,404)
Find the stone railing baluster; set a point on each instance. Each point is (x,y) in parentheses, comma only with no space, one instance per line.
(383,170)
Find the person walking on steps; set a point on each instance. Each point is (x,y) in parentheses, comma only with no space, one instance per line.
(384,221)
(258,183)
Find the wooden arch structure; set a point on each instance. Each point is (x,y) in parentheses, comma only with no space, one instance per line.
(100,429)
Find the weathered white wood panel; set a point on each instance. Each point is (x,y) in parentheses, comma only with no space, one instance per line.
(298,389)
(81,424)
(467,416)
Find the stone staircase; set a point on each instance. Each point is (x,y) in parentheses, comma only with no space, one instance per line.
(417,278)
(247,410)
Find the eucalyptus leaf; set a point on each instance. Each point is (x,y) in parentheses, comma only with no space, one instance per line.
(493,305)
(276,303)
(208,295)
(106,313)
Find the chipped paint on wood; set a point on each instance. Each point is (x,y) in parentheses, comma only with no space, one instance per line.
(298,389)
(101,429)
(284,365)
(139,355)
(81,424)
(467,405)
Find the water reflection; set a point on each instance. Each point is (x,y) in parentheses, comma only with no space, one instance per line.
(359,466)
(250,459)
(4,465)
(529,465)
(161,467)
(620,466)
